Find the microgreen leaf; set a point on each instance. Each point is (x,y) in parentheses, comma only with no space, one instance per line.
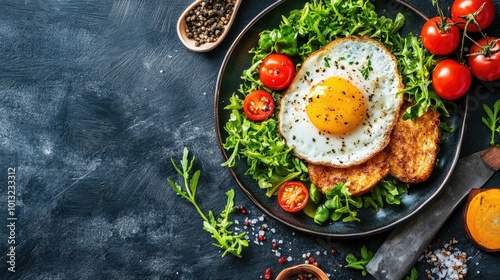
(366,71)
(327,61)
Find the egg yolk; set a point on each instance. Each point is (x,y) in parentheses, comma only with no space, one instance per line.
(336,106)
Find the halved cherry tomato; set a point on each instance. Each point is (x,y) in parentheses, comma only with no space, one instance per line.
(277,71)
(450,79)
(465,8)
(293,196)
(258,105)
(440,36)
(484,59)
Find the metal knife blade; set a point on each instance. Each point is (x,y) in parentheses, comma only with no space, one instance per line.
(407,242)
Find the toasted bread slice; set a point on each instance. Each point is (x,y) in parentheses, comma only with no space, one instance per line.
(414,146)
(361,178)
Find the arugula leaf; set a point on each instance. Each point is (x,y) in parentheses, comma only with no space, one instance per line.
(415,66)
(492,120)
(219,228)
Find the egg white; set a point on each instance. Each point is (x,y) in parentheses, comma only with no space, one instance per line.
(346,58)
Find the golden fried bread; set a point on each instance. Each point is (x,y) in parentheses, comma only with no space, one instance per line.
(361,177)
(413,147)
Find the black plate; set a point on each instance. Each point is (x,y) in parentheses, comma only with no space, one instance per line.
(238,59)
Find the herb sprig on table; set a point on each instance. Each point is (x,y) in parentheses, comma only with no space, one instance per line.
(355,263)
(492,120)
(219,228)
(366,255)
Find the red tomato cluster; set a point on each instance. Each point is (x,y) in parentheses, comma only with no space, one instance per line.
(441,36)
(276,72)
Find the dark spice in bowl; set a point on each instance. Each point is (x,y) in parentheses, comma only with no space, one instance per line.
(207,20)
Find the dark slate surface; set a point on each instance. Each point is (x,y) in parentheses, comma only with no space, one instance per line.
(96,96)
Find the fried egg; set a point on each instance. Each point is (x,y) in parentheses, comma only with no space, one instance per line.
(343,103)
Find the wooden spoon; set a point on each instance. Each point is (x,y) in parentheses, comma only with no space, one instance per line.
(191,43)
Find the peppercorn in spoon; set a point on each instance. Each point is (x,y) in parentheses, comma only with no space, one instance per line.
(205,23)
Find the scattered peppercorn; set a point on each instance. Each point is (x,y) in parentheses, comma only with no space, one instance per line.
(303,276)
(267,276)
(241,208)
(207,21)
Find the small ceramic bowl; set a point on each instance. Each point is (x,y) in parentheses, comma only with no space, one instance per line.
(294,271)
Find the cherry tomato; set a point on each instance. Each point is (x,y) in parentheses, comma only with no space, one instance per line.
(451,79)
(277,71)
(440,37)
(293,196)
(258,105)
(463,8)
(484,60)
